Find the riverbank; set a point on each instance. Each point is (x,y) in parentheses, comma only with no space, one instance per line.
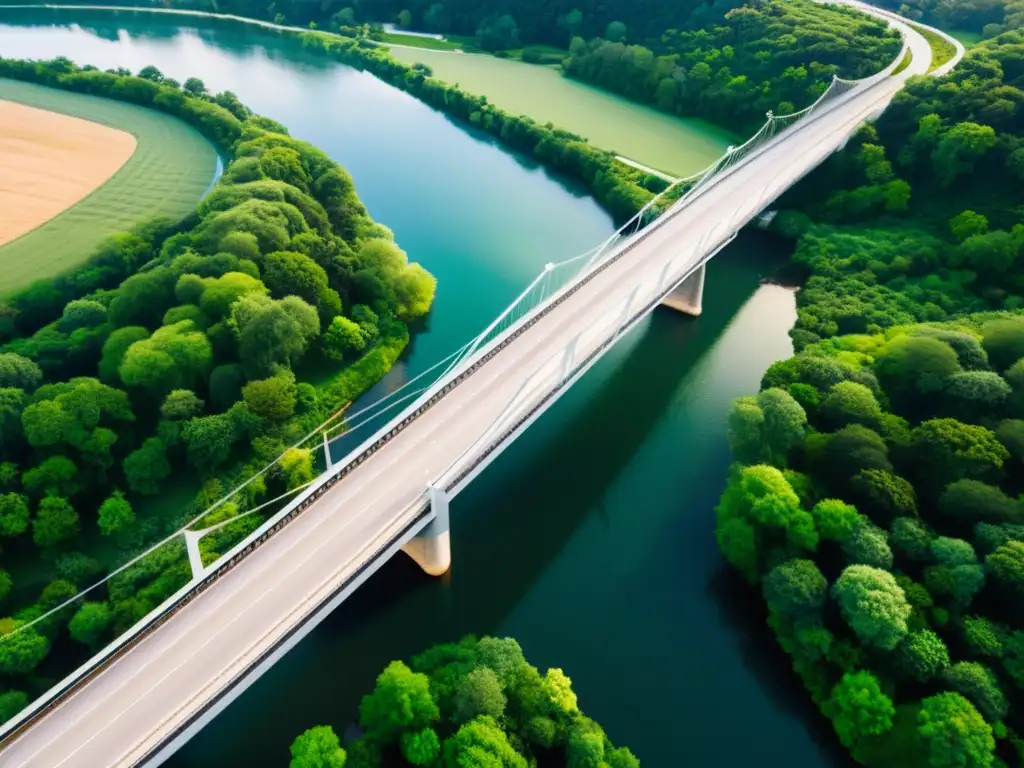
(200,353)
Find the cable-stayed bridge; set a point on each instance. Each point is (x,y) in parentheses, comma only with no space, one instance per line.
(144,695)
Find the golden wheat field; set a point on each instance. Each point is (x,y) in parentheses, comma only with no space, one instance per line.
(50,161)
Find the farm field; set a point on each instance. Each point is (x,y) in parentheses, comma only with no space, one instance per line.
(169,171)
(50,162)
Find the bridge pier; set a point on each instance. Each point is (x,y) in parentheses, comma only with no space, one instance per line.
(688,296)
(432,548)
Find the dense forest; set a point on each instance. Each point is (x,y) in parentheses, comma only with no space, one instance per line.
(727,62)
(877,499)
(876,503)
(920,217)
(762,56)
(176,361)
(471,704)
(987,17)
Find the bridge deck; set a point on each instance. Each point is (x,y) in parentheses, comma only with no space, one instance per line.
(128,712)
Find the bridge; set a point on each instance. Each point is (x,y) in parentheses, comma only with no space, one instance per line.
(147,693)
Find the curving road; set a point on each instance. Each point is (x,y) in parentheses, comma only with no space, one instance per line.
(151,698)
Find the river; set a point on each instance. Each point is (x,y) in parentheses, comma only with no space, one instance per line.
(591,539)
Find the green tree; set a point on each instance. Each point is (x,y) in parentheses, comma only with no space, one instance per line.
(852,450)
(835,519)
(975,395)
(979,685)
(796,589)
(55,476)
(342,337)
(11,703)
(421,747)
(115,348)
(759,509)
(297,467)
(56,522)
(968,224)
(218,294)
(478,693)
(983,636)
(90,622)
(115,514)
(951,450)
(884,496)
(914,367)
(180,405)
(960,149)
(21,651)
(868,545)
(14,514)
(147,467)
(765,428)
(859,708)
(143,298)
(401,701)
(82,313)
(873,604)
(209,440)
(20,372)
(194,87)
(923,655)
(1005,567)
(272,398)
(481,743)
(850,403)
(1003,341)
(615,32)
(174,356)
(317,747)
(272,332)
(972,501)
(955,733)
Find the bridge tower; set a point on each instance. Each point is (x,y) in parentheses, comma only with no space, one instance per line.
(688,296)
(431,549)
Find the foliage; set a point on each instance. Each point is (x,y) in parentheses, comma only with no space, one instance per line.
(167,360)
(873,604)
(860,708)
(471,703)
(954,732)
(318,747)
(916,679)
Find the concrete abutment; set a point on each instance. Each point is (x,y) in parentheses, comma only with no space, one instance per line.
(687,297)
(431,549)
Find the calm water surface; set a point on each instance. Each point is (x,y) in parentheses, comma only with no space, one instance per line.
(590,540)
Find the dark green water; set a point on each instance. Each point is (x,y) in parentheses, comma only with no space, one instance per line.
(590,540)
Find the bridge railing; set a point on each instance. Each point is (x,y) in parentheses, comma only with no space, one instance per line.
(552,286)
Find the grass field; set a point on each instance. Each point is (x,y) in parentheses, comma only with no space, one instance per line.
(676,145)
(168,173)
(415,41)
(965,36)
(942,49)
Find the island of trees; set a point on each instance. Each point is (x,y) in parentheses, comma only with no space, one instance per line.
(471,704)
(174,359)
